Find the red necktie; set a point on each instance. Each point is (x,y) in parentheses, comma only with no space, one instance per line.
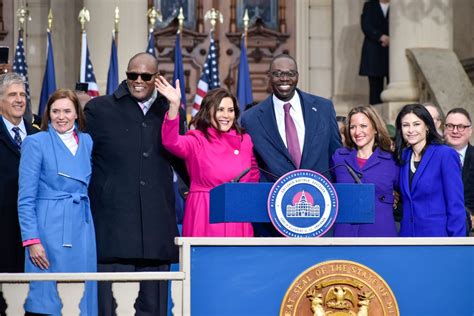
(292,141)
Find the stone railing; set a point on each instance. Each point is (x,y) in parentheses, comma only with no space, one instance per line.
(125,288)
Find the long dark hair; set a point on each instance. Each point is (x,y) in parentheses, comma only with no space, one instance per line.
(432,137)
(381,139)
(209,105)
(64,94)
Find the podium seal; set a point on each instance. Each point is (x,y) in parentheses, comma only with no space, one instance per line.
(340,287)
(302,203)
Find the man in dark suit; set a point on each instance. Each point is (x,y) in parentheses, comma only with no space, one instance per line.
(290,129)
(13,130)
(131,189)
(457,131)
(374,59)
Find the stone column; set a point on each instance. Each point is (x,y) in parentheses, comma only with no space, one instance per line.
(413,23)
(350,89)
(132,37)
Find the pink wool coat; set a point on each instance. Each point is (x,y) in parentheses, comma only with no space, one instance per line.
(210,162)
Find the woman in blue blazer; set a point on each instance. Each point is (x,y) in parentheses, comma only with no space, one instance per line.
(430,178)
(53,207)
(368,151)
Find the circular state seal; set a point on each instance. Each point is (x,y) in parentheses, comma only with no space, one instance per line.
(302,203)
(339,288)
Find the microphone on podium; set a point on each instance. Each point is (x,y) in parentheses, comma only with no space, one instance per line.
(355,176)
(241,175)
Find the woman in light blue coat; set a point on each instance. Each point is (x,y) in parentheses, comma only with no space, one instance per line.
(53,206)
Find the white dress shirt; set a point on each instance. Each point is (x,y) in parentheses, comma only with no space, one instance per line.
(21,126)
(462,154)
(145,106)
(296,113)
(384,7)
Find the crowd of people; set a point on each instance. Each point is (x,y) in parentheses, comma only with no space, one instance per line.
(93,189)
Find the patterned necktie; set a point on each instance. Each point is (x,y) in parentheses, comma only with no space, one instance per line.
(17,137)
(292,141)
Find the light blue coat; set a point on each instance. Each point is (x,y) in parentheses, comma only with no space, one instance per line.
(53,206)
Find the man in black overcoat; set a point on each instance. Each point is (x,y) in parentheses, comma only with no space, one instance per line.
(131,189)
(13,105)
(374,59)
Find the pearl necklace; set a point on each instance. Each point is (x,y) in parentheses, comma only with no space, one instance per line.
(412,163)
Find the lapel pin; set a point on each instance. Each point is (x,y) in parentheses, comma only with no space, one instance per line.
(314,109)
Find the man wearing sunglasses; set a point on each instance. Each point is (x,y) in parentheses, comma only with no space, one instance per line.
(290,129)
(131,189)
(457,131)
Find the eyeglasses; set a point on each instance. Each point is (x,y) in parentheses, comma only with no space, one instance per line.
(145,76)
(460,127)
(288,74)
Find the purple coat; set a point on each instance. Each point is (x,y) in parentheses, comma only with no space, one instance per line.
(381,170)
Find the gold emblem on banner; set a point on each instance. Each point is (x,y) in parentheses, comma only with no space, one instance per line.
(339,288)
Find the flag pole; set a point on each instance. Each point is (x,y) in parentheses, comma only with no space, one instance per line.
(153,16)
(84,16)
(23,15)
(180,20)
(213,16)
(246,26)
(116,25)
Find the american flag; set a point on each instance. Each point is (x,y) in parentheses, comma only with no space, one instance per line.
(87,71)
(19,64)
(209,78)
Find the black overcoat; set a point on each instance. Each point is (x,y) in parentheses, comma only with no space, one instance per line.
(374,59)
(131,189)
(13,253)
(468,178)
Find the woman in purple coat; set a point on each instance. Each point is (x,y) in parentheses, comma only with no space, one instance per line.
(368,151)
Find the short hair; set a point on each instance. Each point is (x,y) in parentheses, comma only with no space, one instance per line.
(440,111)
(381,139)
(64,94)
(422,113)
(460,111)
(281,56)
(9,79)
(209,105)
(142,54)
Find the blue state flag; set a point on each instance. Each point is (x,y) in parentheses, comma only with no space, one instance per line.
(112,75)
(49,78)
(179,70)
(151,43)
(244,85)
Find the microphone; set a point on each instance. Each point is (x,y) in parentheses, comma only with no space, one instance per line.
(241,175)
(355,175)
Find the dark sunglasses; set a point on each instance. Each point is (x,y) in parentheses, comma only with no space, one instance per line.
(145,76)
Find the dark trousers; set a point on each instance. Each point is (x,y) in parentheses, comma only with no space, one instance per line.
(152,298)
(376,85)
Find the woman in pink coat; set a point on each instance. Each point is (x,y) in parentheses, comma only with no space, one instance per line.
(215,152)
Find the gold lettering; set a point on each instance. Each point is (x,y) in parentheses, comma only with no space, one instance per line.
(289,307)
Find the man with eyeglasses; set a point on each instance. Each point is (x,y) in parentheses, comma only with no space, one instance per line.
(290,129)
(131,189)
(457,131)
